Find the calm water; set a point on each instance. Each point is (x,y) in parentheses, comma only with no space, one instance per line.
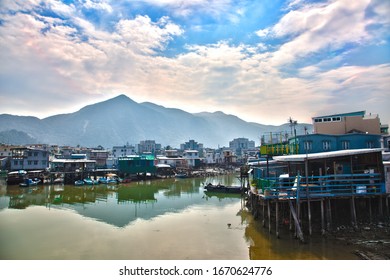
(163,219)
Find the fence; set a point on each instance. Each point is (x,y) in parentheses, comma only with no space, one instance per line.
(341,185)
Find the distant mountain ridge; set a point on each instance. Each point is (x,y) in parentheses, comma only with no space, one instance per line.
(121,120)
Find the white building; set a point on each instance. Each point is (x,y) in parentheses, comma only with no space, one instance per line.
(209,157)
(240,146)
(192,158)
(122,151)
(175,162)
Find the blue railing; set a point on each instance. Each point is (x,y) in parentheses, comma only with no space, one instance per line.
(340,185)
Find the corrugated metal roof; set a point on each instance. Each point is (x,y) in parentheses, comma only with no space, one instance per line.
(302,157)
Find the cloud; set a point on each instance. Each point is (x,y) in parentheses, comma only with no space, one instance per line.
(98,5)
(52,52)
(185,8)
(45,56)
(321,28)
(144,35)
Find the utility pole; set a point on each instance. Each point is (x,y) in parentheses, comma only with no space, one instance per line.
(293,123)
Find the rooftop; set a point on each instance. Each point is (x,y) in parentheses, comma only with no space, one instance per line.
(302,157)
(351,114)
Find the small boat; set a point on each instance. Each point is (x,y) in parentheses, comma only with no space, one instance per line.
(79,183)
(110,179)
(126,180)
(16,177)
(30,182)
(181,175)
(224,189)
(89,181)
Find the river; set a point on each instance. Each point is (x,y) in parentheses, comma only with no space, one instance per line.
(166,219)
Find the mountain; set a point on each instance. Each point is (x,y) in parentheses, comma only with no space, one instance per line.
(18,137)
(121,120)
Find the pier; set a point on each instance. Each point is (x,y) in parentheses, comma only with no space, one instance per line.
(301,205)
(315,201)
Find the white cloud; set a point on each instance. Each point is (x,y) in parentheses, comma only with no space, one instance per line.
(215,8)
(145,35)
(320,27)
(98,5)
(70,58)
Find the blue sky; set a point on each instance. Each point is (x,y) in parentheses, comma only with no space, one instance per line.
(264,61)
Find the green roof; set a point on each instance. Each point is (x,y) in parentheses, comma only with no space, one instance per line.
(138,157)
(351,114)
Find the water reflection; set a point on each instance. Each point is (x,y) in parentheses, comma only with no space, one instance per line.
(142,220)
(118,205)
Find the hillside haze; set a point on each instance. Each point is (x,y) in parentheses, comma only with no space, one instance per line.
(121,120)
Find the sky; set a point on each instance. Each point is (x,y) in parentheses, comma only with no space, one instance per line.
(263,61)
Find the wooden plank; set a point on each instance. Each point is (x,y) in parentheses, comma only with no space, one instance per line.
(297,225)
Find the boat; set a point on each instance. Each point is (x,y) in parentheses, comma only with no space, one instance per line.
(16,177)
(89,181)
(29,182)
(223,189)
(181,175)
(79,183)
(126,180)
(110,179)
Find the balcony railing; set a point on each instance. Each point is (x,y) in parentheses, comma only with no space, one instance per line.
(341,185)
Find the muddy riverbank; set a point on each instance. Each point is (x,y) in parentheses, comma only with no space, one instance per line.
(370,240)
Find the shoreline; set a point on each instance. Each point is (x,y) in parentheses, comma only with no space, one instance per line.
(372,240)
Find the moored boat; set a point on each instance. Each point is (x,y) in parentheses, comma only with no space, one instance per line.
(110,179)
(16,177)
(79,183)
(181,175)
(89,181)
(29,182)
(223,189)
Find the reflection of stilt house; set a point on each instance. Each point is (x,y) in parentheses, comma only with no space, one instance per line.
(317,182)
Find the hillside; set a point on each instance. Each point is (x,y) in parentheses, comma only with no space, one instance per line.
(121,120)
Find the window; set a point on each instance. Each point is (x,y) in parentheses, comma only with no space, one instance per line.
(308,145)
(15,162)
(29,162)
(326,145)
(345,145)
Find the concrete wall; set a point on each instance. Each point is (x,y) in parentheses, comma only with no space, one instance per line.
(369,124)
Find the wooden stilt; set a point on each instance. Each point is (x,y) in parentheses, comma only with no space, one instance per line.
(380,207)
(263,213)
(322,217)
(328,215)
(353,212)
(269,215)
(277,218)
(297,225)
(309,215)
(370,209)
